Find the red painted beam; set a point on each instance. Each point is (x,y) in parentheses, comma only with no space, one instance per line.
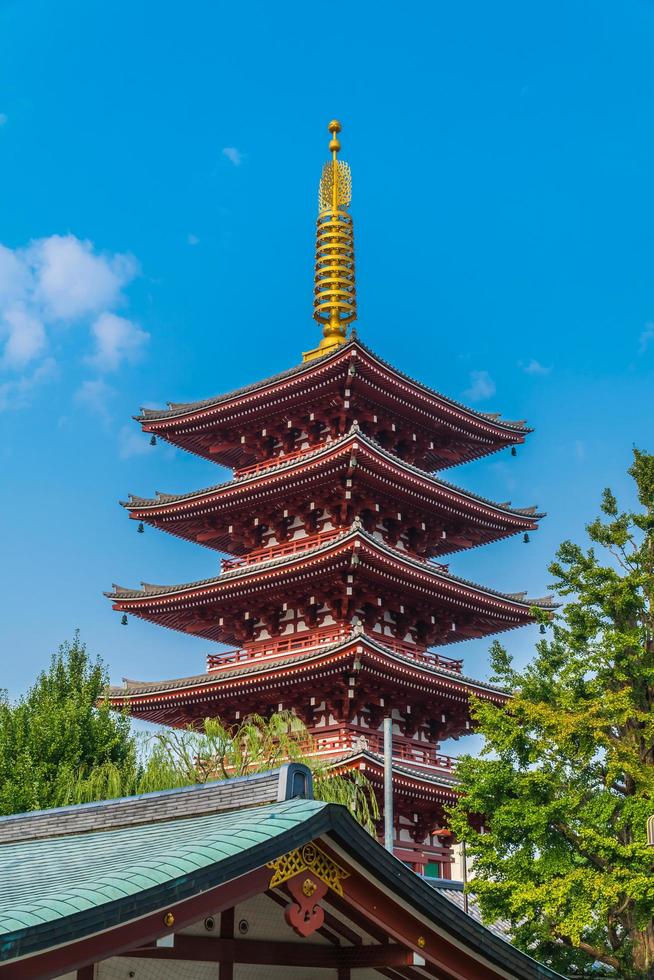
(273,953)
(202,536)
(226,969)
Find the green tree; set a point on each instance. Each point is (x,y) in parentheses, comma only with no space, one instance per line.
(566,777)
(60,731)
(62,744)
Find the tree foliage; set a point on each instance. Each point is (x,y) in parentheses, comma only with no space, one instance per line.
(58,732)
(567,773)
(62,744)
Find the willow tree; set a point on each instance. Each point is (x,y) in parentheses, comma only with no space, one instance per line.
(566,777)
(172,758)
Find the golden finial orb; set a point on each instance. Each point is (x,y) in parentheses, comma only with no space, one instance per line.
(334,128)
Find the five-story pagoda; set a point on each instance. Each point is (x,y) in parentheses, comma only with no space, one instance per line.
(333,596)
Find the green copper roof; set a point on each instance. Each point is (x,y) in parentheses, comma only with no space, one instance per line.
(46,880)
(72,885)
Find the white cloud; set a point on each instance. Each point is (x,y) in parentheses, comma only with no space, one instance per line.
(3,118)
(481,387)
(16,392)
(233,155)
(646,337)
(15,278)
(62,282)
(116,340)
(534,367)
(95,396)
(192,239)
(25,337)
(132,442)
(71,281)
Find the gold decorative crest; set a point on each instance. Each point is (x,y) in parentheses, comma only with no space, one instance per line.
(308,858)
(326,199)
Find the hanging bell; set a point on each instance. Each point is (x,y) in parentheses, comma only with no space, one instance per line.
(140,529)
(153,441)
(123,621)
(526,539)
(542,629)
(514,451)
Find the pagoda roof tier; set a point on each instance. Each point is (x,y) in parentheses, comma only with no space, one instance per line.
(349,382)
(422,797)
(258,684)
(459,518)
(350,562)
(404,777)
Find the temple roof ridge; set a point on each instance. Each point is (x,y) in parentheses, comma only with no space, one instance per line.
(519,424)
(150,588)
(442,778)
(354,531)
(351,346)
(181,408)
(329,446)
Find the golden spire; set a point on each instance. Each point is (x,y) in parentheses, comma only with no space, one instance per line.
(334,303)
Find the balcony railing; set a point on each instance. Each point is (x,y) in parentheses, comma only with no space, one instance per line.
(310,541)
(337,739)
(278,550)
(265,464)
(281,646)
(418,653)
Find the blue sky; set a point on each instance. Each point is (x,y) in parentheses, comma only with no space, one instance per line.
(159,167)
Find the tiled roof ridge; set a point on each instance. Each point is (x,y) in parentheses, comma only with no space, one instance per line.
(176,409)
(356,528)
(518,424)
(449,782)
(216,796)
(164,498)
(208,677)
(354,431)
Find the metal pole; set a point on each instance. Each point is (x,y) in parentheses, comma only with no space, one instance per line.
(388,783)
(464,876)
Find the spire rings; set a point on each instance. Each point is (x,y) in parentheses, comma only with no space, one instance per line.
(335,292)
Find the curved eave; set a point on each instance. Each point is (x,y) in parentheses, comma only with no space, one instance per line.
(303,666)
(354,537)
(430,782)
(428,401)
(176,512)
